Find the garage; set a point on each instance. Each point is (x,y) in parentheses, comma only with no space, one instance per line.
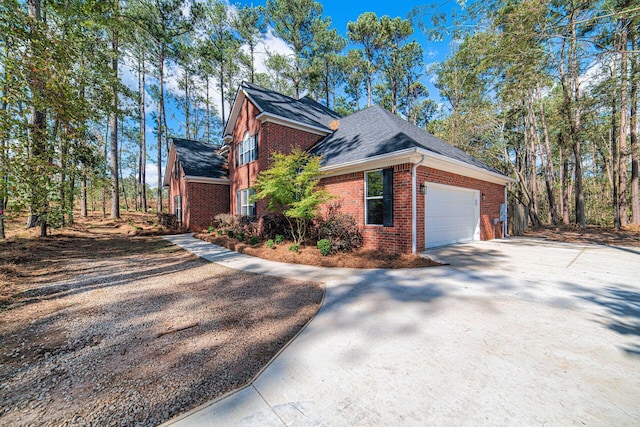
(452,215)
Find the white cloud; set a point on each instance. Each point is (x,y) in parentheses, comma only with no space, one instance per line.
(151,175)
(272,44)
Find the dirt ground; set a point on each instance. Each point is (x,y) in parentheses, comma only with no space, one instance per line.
(629,236)
(109,328)
(309,255)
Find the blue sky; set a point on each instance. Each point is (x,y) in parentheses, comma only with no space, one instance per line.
(341,12)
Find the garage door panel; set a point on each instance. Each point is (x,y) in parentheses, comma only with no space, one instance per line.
(451,215)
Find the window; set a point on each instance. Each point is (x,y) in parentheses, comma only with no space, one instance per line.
(379,197)
(247,149)
(177,205)
(245,207)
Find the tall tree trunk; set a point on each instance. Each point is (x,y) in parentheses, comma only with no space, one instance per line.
(142,155)
(623,130)
(83,194)
(208,118)
(550,174)
(186,104)
(121,176)
(633,119)
(160,122)
(113,125)
(37,130)
(564,182)
(614,158)
(221,82)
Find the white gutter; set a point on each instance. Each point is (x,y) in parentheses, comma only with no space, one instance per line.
(505,225)
(414,205)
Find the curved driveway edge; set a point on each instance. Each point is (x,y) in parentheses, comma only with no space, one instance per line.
(516,331)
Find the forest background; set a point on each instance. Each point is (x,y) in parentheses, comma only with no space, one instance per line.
(544,90)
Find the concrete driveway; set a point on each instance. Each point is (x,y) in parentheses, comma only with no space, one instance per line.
(513,332)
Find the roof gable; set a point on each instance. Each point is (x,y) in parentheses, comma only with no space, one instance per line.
(197,159)
(304,111)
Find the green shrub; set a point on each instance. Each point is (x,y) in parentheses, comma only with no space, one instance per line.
(270,244)
(253,240)
(220,232)
(210,229)
(279,238)
(324,246)
(240,236)
(294,248)
(230,234)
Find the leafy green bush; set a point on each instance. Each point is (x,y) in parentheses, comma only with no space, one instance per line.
(279,238)
(210,229)
(294,248)
(253,240)
(324,246)
(220,232)
(240,236)
(270,244)
(230,234)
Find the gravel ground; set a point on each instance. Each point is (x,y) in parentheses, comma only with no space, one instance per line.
(138,339)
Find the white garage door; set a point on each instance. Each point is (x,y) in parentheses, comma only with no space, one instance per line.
(452,215)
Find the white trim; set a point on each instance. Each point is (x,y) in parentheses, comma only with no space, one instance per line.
(414,206)
(429,159)
(370,163)
(205,180)
(170,161)
(265,117)
(366,197)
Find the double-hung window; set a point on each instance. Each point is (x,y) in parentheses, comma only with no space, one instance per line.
(379,197)
(247,149)
(245,206)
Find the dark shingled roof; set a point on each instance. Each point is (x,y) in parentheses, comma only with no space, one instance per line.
(304,110)
(200,159)
(375,131)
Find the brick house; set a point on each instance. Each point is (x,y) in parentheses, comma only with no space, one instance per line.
(407,189)
(198,183)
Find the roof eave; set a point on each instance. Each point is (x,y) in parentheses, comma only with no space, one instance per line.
(170,161)
(274,118)
(447,164)
(374,162)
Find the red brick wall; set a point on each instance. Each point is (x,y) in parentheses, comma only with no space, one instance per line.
(489,207)
(271,138)
(200,201)
(203,202)
(349,192)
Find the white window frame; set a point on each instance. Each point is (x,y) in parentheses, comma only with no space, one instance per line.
(247,151)
(366,198)
(246,208)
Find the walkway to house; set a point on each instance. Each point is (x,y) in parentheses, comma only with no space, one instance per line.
(515,331)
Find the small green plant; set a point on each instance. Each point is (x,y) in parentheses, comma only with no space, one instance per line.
(253,240)
(240,236)
(294,248)
(270,244)
(279,238)
(324,246)
(230,234)
(220,232)
(210,229)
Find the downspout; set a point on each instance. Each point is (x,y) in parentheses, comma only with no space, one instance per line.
(414,205)
(505,224)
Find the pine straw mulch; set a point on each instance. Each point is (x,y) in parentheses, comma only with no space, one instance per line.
(628,236)
(309,255)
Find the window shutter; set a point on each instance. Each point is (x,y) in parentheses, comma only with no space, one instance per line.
(255,146)
(387,197)
(237,153)
(239,202)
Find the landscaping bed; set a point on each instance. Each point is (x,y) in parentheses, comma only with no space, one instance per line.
(109,328)
(629,236)
(310,255)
